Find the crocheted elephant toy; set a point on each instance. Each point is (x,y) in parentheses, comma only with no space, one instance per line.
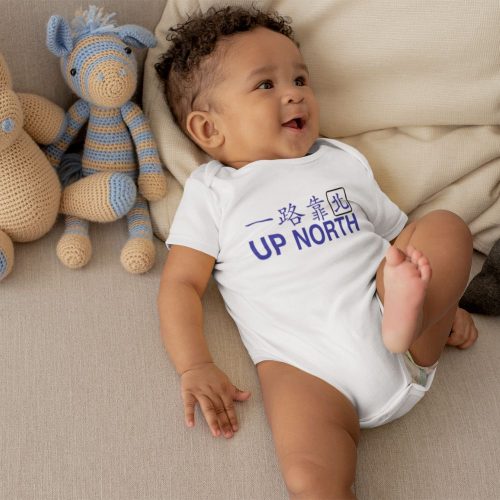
(120,168)
(29,188)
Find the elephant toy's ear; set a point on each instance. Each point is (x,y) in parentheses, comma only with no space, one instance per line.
(136,36)
(5,78)
(59,40)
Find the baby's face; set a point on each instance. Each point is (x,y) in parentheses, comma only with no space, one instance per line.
(264,105)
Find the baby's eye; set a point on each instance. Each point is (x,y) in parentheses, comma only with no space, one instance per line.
(300,81)
(128,50)
(268,84)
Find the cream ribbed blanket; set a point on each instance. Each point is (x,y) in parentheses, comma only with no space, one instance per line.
(415,86)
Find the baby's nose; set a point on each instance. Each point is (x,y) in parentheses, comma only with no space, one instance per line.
(292,95)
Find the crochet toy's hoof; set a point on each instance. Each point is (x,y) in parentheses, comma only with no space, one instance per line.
(153,186)
(6,255)
(74,250)
(138,255)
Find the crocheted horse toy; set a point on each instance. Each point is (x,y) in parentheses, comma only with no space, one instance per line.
(119,152)
(29,188)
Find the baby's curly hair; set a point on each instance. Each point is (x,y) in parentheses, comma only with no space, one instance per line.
(186,70)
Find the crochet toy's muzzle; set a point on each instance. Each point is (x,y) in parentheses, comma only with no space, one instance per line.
(112,85)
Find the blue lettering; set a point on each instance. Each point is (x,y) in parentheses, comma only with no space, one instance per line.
(277,241)
(339,221)
(322,234)
(304,238)
(256,252)
(330,228)
(353,222)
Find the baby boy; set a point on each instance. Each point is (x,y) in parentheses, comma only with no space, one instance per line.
(343,306)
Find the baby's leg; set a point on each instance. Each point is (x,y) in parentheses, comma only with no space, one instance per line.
(420,303)
(315,430)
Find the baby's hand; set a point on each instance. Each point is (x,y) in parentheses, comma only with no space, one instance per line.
(463,331)
(211,388)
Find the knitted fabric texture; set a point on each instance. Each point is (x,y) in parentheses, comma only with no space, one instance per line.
(30,191)
(29,187)
(42,120)
(113,195)
(482,296)
(120,158)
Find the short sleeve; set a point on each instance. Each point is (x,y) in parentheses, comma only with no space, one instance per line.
(195,222)
(389,219)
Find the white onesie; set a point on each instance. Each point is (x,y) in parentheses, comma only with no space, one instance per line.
(297,244)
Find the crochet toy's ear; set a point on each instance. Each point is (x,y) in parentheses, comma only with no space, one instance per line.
(5,78)
(136,36)
(59,40)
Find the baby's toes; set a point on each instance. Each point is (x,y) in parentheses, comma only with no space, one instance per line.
(414,255)
(423,261)
(425,271)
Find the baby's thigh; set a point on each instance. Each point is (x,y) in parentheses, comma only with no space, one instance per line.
(315,429)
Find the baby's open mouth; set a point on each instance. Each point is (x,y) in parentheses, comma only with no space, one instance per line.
(297,123)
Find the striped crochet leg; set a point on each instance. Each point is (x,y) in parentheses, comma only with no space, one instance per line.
(138,254)
(74,249)
(6,255)
(100,197)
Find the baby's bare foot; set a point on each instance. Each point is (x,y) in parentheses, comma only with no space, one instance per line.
(406,277)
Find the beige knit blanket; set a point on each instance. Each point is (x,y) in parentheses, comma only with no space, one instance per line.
(415,86)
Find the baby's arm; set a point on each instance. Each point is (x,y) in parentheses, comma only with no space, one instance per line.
(183,283)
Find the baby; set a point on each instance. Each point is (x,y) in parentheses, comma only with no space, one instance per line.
(343,306)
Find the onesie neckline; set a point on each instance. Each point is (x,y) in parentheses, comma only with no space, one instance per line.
(317,150)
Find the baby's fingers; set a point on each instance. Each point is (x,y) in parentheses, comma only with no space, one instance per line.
(189,406)
(213,413)
(208,409)
(228,399)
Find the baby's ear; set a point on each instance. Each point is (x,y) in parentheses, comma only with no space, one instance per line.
(201,127)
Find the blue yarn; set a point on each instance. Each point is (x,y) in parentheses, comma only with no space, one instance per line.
(149,168)
(110,157)
(8,125)
(76,226)
(143,136)
(3,264)
(118,138)
(70,168)
(105,121)
(122,193)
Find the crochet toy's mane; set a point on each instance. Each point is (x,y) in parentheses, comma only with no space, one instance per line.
(92,21)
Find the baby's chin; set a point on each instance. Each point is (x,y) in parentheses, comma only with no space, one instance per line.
(298,152)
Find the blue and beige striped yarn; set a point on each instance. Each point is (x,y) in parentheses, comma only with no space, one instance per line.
(3,265)
(119,150)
